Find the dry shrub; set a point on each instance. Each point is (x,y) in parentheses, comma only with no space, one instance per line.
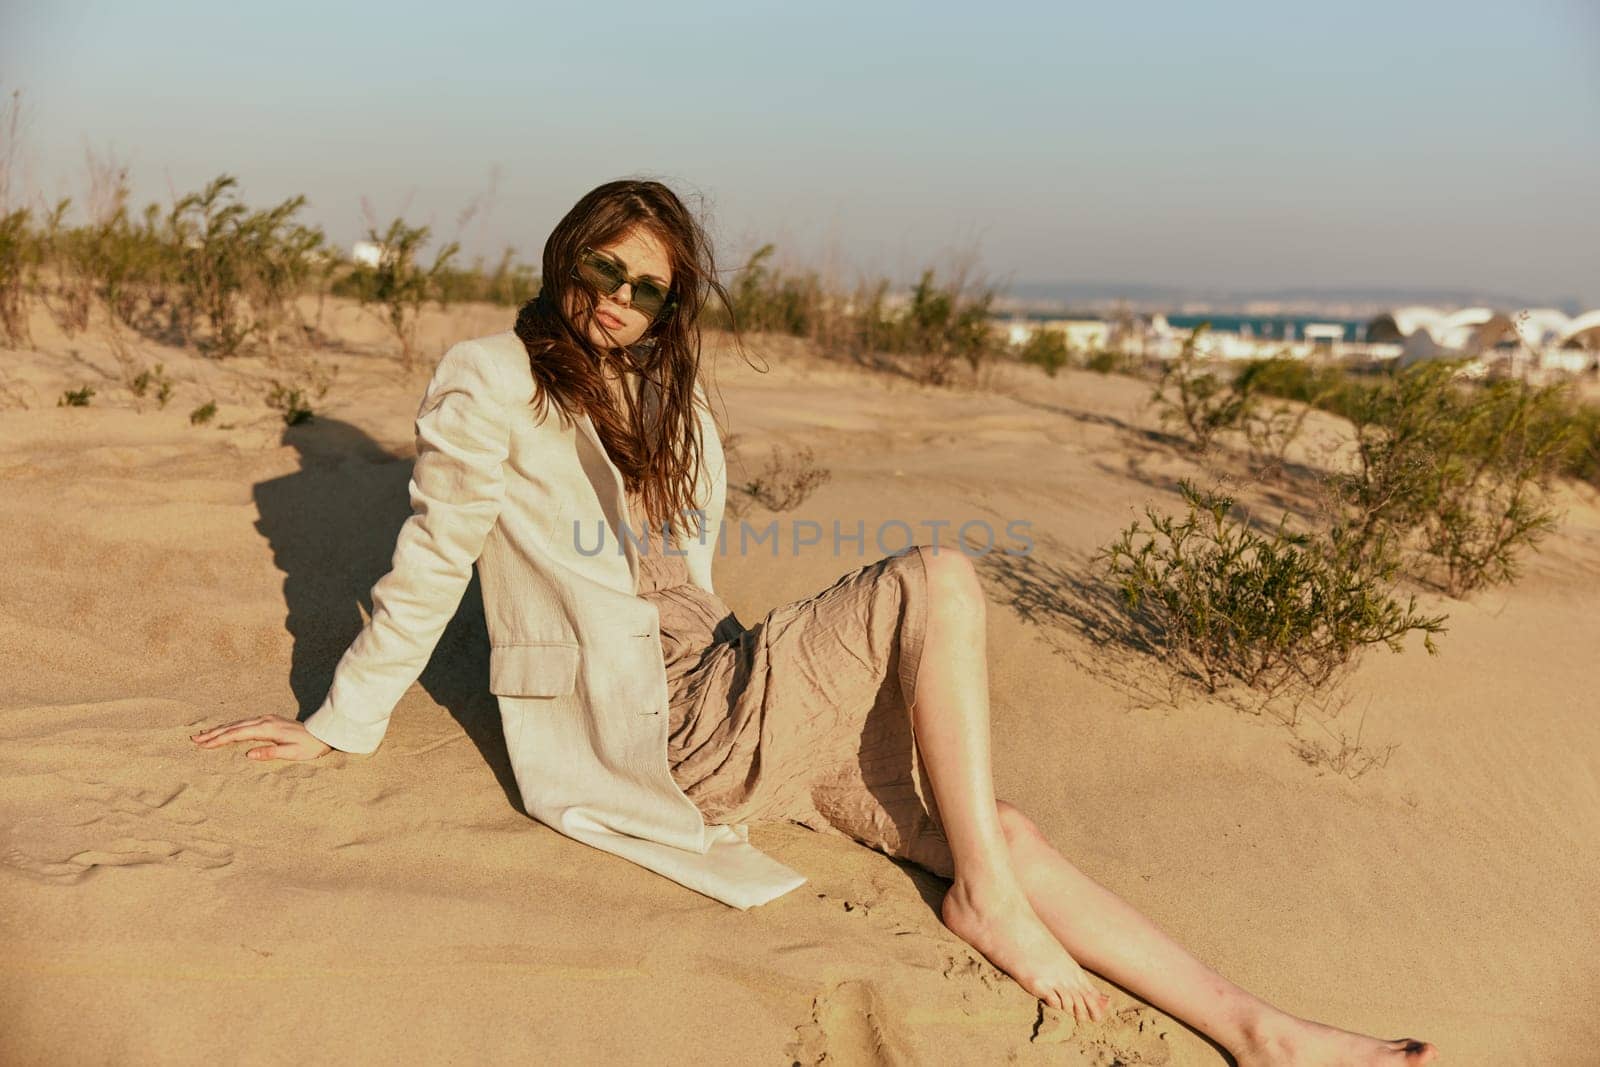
(787,479)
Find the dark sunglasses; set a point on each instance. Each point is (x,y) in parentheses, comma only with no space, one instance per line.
(606,276)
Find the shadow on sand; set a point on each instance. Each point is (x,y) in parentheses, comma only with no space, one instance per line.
(332,526)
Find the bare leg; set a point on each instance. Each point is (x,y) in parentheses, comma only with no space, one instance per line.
(1010,882)
(1109,936)
(986,905)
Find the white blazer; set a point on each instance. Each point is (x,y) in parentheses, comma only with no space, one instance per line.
(575,657)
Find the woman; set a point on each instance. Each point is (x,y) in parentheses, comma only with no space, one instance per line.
(861,710)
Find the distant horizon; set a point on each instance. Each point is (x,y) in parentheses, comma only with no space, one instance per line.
(1222,149)
(1061,290)
(1087,290)
(1091,288)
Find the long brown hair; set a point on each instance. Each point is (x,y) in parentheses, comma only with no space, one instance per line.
(658,459)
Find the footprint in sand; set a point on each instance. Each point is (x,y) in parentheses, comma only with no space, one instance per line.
(982,987)
(122,852)
(848,1024)
(106,824)
(1128,1036)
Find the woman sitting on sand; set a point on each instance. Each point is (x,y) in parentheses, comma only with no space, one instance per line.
(862,709)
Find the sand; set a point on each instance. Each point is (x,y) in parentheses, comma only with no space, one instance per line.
(164,903)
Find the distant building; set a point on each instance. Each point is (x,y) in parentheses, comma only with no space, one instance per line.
(1324,336)
(1531,342)
(1583,333)
(1538,341)
(1080,335)
(367,253)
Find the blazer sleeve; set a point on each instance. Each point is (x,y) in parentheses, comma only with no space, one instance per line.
(457,488)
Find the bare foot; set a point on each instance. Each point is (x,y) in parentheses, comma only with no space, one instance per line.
(1294,1042)
(1004,927)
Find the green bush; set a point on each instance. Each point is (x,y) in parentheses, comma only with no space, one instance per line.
(145,379)
(1319,385)
(237,269)
(944,324)
(19,255)
(1046,349)
(1582,459)
(1458,476)
(1270,428)
(1198,401)
(399,284)
(767,300)
(309,383)
(210,271)
(1490,496)
(1276,612)
(508,283)
(1108,362)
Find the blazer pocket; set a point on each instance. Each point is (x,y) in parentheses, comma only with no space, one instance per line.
(534,669)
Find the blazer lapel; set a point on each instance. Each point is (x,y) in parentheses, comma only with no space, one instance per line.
(613,498)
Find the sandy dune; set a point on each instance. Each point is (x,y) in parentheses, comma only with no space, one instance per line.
(160,903)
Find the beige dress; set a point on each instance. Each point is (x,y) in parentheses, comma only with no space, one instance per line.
(804,716)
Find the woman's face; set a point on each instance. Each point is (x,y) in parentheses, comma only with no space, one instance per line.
(615,323)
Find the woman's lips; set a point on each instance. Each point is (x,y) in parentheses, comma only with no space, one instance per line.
(608,320)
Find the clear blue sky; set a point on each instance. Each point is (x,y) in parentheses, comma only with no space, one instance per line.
(1239,145)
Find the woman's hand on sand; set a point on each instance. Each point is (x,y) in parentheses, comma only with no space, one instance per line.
(288,738)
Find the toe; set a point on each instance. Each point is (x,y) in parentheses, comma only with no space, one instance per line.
(1420,1051)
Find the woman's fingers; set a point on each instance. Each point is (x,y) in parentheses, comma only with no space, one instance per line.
(246,730)
(206,735)
(287,738)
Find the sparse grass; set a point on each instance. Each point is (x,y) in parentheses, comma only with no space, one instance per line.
(156,379)
(294,398)
(942,325)
(76,398)
(203,414)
